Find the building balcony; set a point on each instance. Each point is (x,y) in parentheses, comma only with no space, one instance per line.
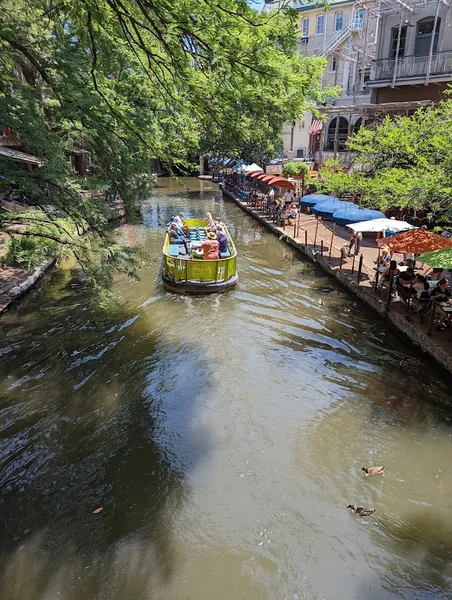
(410,69)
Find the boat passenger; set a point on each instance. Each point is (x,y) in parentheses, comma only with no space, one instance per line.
(222,240)
(210,223)
(182,224)
(210,247)
(177,237)
(168,225)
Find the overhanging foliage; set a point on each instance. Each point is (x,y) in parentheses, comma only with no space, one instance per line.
(131,80)
(405,165)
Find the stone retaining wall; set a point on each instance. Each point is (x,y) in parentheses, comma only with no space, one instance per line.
(13,295)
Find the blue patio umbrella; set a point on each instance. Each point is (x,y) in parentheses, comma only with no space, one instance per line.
(355,215)
(312,199)
(327,208)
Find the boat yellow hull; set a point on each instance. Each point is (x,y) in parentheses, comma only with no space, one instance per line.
(197,276)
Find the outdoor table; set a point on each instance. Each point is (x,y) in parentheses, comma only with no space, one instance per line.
(445,307)
(403,268)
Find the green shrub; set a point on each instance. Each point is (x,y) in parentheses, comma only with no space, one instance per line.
(28,252)
(295,169)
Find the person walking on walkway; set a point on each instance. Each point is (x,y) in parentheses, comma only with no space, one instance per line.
(351,243)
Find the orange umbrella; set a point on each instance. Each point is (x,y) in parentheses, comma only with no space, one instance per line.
(255,174)
(266,178)
(281,182)
(416,241)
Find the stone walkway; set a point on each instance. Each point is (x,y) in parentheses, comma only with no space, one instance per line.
(322,241)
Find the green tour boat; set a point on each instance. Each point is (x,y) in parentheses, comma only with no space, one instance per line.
(190,273)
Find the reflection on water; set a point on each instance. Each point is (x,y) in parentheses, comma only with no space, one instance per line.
(222,436)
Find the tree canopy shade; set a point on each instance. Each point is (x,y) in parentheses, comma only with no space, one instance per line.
(405,164)
(131,80)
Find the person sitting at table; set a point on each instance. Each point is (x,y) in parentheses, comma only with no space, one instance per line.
(210,247)
(293,213)
(442,293)
(407,279)
(386,275)
(222,240)
(177,237)
(384,259)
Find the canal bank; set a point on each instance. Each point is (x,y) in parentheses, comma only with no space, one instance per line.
(15,282)
(440,350)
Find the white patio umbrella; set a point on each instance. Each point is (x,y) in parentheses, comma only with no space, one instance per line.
(381,225)
(252,168)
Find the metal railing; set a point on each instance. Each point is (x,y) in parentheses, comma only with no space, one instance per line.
(412,66)
(355,24)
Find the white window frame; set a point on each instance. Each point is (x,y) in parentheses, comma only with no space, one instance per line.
(322,17)
(336,15)
(305,27)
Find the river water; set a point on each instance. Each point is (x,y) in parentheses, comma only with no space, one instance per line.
(222,436)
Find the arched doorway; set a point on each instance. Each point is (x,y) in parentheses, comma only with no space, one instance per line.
(357,126)
(342,134)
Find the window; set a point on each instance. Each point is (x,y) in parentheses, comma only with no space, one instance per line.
(333,64)
(300,153)
(305,27)
(320,24)
(394,38)
(338,20)
(360,17)
(424,31)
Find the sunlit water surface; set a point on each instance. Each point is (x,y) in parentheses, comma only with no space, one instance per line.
(222,436)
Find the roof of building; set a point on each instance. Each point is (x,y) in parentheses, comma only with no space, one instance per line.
(20,157)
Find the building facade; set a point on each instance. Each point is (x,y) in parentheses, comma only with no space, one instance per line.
(414,51)
(344,33)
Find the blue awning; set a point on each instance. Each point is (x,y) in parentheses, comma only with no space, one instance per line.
(312,199)
(328,207)
(356,215)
